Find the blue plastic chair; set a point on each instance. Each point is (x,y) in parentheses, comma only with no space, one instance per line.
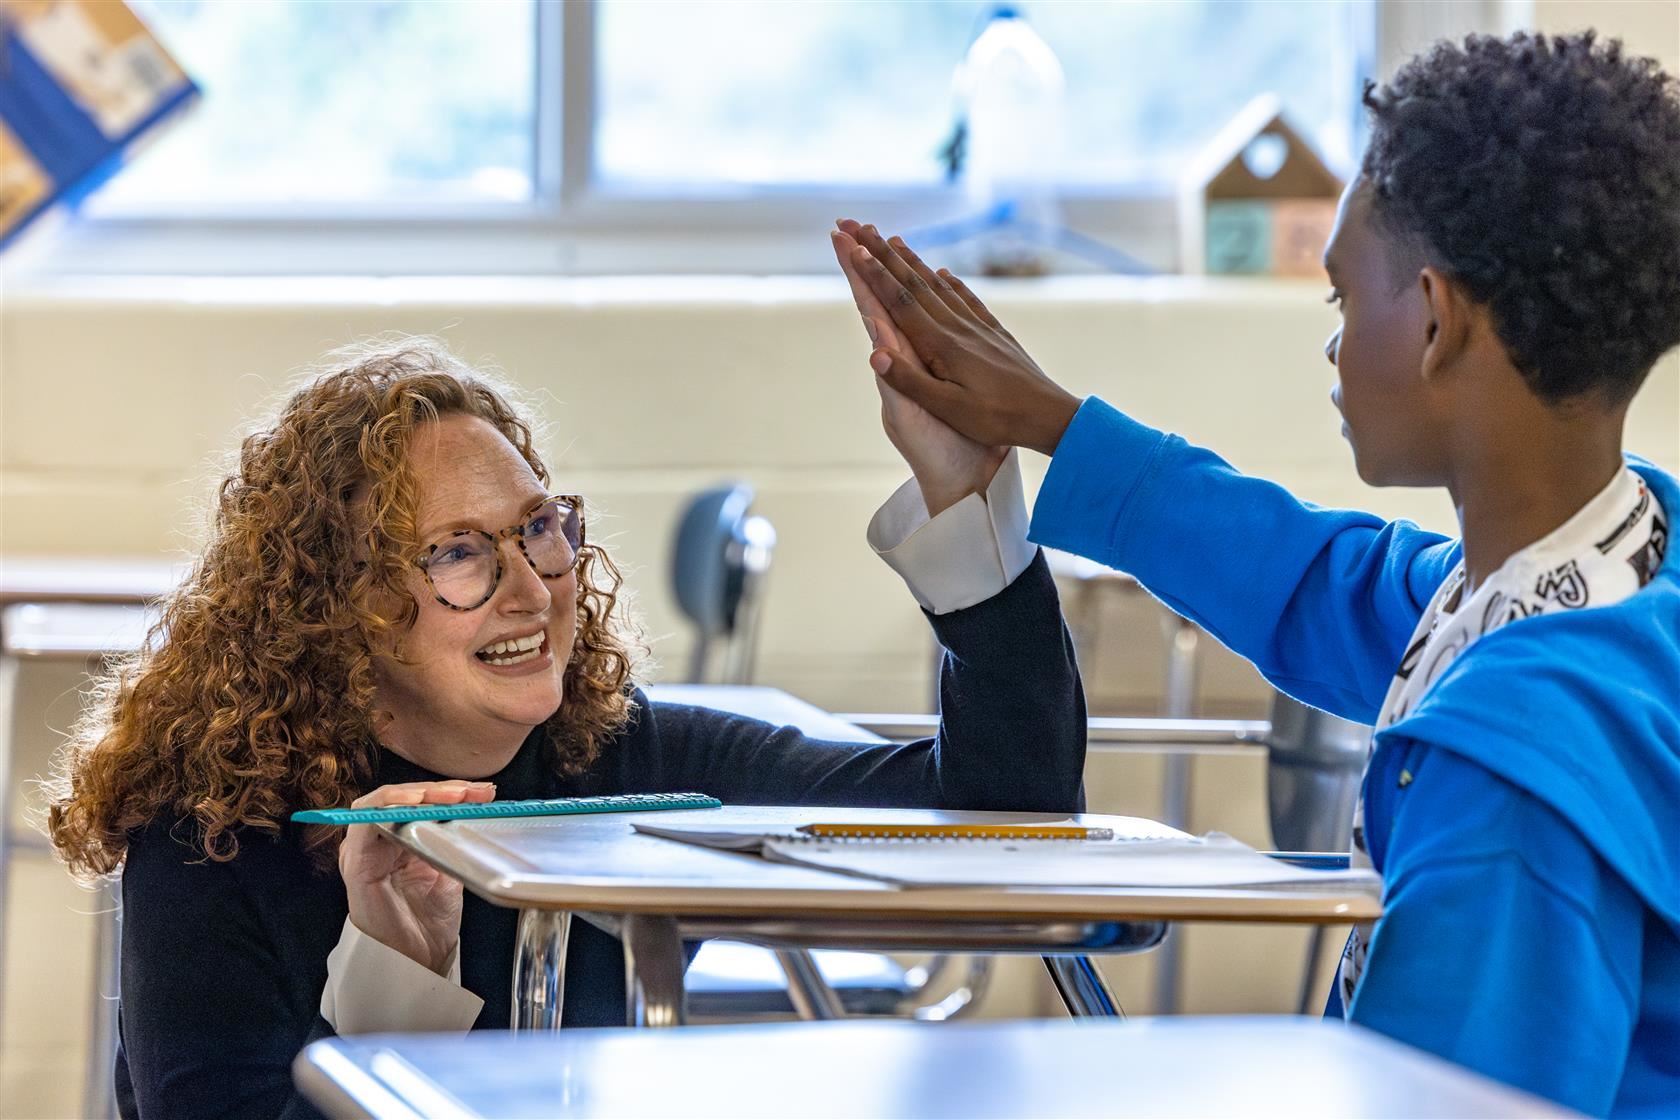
(718,568)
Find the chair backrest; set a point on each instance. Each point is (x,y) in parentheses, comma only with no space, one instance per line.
(718,566)
(1313,769)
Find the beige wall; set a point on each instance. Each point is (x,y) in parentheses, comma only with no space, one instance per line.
(1647,27)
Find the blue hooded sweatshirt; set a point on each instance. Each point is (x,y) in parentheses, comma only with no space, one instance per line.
(1531,853)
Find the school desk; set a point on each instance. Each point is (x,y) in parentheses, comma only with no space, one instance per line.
(654,893)
(1178,1067)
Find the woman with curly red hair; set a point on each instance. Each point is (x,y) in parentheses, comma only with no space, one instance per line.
(394,607)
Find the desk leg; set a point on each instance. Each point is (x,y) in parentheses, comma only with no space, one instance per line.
(653,971)
(539,969)
(1083,988)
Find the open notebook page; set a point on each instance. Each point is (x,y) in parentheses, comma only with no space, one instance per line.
(1158,858)
(1213,861)
(744,836)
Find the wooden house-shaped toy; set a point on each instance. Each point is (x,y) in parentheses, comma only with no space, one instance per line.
(1258,200)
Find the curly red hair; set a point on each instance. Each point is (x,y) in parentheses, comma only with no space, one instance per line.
(253,696)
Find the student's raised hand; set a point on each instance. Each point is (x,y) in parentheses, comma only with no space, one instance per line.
(396,897)
(972,374)
(948,466)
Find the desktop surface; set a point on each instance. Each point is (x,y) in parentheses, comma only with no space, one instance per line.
(600,864)
(1213,1066)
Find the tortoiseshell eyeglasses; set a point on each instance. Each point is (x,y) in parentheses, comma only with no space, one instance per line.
(464,567)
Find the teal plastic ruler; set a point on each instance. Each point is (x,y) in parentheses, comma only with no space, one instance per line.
(491,810)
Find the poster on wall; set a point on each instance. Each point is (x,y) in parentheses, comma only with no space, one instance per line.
(82,82)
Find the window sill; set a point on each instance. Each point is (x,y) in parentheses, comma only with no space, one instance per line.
(25,290)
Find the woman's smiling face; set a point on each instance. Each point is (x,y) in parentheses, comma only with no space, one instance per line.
(456,708)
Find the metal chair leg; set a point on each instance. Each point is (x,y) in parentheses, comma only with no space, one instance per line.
(810,993)
(962,1000)
(1083,988)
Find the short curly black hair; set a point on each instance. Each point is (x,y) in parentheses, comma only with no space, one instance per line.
(1543,173)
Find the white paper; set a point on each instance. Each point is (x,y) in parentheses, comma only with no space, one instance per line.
(1213,861)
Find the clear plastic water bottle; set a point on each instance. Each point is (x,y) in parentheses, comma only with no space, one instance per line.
(1012,88)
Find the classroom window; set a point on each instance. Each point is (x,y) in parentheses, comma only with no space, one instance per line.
(763,93)
(375,100)
(663,135)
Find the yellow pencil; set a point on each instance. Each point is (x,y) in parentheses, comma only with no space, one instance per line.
(961,831)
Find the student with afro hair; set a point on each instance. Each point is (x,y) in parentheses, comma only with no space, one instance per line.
(1507,267)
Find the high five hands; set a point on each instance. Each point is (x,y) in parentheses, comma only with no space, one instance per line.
(948,466)
(961,365)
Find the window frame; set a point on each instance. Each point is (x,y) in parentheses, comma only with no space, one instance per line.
(573,226)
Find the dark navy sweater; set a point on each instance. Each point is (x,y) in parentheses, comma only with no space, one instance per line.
(223,964)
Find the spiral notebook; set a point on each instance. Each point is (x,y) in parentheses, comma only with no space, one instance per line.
(1211,861)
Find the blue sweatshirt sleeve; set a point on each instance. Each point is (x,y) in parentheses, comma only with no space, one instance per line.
(1506,944)
(1321,601)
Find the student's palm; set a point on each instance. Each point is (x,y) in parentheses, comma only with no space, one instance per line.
(396,897)
(948,466)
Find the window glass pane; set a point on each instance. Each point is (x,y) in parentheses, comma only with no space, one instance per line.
(371,100)
(1149,84)
(761,92)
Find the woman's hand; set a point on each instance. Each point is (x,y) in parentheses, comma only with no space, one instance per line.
(972,374)
(948,466)
(396,897)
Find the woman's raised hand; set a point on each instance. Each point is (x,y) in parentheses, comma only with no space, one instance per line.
(396,897)
(948,466)
(971,372)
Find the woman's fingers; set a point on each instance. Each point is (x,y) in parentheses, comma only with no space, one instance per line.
(912,380)
(844,249)
(886,338)
(374,853)
(452,792)
(876,321)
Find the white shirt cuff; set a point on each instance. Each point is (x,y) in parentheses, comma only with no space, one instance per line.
(968,553)
(372,988)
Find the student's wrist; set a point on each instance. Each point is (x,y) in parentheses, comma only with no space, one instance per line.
(1048,419)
